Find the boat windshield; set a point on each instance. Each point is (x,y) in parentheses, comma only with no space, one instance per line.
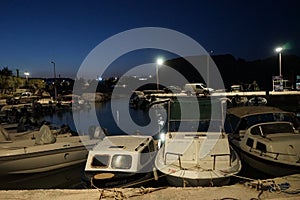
(196,126)
(272,128)
(270,117)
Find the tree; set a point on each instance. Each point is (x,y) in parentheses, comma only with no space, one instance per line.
(5,72)
(36,84)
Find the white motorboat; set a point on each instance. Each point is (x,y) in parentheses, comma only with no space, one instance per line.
(43,151)
(121,160)
(193,154)
(185,162)
(266,138)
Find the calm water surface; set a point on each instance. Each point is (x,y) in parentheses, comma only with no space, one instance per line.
(116,121)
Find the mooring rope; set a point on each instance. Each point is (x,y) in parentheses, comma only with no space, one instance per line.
(260,185)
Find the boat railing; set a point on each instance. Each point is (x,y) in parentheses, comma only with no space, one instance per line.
(263,152)
(213,155)
(217,155)
(172,153)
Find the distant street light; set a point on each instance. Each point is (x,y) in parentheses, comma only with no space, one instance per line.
(55,90)
(159,62)
(278,50)
(26,75)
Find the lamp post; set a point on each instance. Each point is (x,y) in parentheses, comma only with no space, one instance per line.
(278,50)
(26,75)
(55,91)
(159,62)
(207,73)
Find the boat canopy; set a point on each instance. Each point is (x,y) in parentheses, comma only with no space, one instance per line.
(252,110)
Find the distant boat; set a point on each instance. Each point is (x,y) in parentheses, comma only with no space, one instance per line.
(238,100)
(266,138)
(120,161)
(257,101)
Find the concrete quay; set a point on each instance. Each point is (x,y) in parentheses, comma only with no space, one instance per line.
(287,187)
(231,94)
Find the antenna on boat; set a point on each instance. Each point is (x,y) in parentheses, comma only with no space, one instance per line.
(223,100)
(169,108)
(118,118)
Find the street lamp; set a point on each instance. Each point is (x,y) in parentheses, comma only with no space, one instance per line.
(55,91)
(26,75)
(207,68)
(278,50)
(159,62)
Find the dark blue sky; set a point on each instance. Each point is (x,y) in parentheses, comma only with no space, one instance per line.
(33,33)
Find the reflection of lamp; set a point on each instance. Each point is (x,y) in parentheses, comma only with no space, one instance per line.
(159,62)
(278,50)
(54,72)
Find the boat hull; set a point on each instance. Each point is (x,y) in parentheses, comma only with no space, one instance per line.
(42,161)
(188,182)
(117,180)
(266,166)
(197,177)
(26,157)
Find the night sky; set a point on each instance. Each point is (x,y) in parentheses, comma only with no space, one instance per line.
(34,33)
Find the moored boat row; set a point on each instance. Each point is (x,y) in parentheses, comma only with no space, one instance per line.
(264,137)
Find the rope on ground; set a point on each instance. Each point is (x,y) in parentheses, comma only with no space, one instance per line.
(241,177)
(269,185)
(125,192)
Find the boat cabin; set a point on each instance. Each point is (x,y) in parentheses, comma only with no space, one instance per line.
(121,153)
(278,140)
